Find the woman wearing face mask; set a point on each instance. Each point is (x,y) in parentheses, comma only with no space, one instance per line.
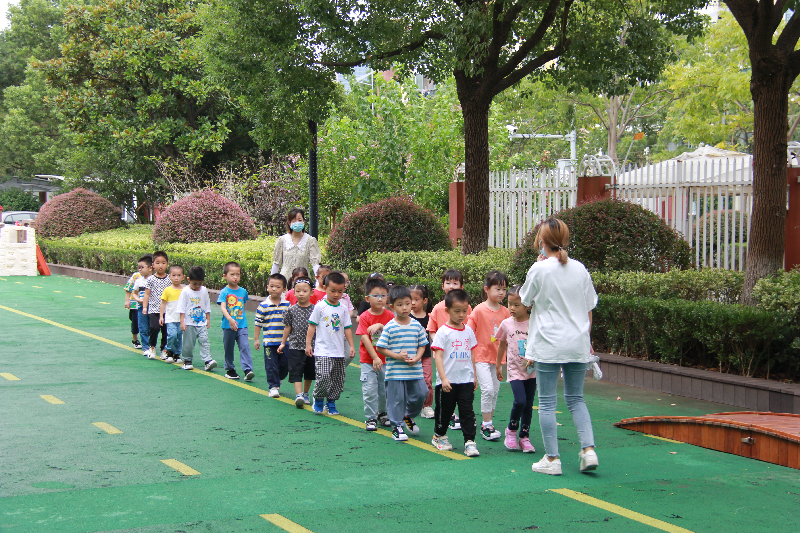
(296,248)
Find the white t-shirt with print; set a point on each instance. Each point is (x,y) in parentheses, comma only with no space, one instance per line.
(194,305)
(457,345)
(331,321)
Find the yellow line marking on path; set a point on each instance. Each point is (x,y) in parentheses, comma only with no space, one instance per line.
(105,303)
(416,443)
(664,439)
(51,399)
(616,509)
(355,365)
(18,282)
(77,296)
(3,279)
(56,291)
(180,467)
(108,428)
(285,524)
(35,286)
(9,377)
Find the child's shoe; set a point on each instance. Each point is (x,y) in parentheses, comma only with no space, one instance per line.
(372,425)
(427,412)
(332,411)
(411,425)
(489,433)
(455,423)
(306,398)
(511,440)
(588,460)
(165,354)
(178,360)
(544,466)
(526,445)
(470,450)
(136,344)
(150,354)
(248,376)
(187,366)
(211,365)
(169,359)
(398,434)
(231,374)
(274,392)
(299,401)
(383,420)
(441,443)
(319,406)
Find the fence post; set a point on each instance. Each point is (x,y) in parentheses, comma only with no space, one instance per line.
(456,211)
(793,219)
(590,187)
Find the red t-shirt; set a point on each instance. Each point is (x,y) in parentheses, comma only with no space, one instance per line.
(318,295)
(290,297)
(365,320)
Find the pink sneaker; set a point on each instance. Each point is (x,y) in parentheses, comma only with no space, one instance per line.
(511,440)
(527,447)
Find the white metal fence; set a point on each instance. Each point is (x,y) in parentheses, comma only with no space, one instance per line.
(709,201)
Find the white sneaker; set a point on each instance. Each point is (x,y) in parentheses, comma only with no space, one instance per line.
(274,392)
(178,361)
(169,360)
(151,354)
(470,450)
(211,365)
(164,355)
(544,466)
(588,460)
(187,366)
(441,443)
(427,412)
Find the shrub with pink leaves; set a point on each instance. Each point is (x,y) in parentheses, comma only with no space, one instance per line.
(204,216)
(395,224)
(76,212)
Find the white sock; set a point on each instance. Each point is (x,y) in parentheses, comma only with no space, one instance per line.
(489,423)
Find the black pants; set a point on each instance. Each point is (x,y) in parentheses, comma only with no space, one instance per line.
(155,327)
(461,395)
(522,410)
(301,366)
(133,315)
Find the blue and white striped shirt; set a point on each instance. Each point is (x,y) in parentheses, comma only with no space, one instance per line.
(397,338)
(269,317)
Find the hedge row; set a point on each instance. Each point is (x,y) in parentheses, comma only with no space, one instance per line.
(695,285)
(729,337)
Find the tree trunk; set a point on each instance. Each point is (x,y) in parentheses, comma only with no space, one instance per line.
(614,106)
(769,86)
(476,177)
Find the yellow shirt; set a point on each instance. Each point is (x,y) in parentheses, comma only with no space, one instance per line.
(171,296)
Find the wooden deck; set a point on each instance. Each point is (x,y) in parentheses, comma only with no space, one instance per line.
(770,437)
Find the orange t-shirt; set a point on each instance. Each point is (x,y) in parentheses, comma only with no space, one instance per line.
(485,323)
(439,317)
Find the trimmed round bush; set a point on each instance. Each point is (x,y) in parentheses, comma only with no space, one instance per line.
(610,234)
(204,216)
(395,224)
(76,212)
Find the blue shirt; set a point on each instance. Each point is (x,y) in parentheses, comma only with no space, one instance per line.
(269,317)
(234,303)
(397,338)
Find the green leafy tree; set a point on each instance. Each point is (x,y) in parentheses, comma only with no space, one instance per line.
(15,199)
(775,65)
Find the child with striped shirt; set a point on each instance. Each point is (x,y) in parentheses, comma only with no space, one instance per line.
(403,342)
(269,318)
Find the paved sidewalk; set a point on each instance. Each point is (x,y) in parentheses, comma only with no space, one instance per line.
(193,452)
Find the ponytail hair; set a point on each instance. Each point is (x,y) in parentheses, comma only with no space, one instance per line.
(554,233)
(423,290)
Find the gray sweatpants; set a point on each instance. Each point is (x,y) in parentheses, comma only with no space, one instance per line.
(197,334)
(373,390)
(404,397)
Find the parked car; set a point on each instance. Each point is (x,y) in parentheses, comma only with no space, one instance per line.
(10,217)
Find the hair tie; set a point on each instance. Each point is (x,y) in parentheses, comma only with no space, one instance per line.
(302,281)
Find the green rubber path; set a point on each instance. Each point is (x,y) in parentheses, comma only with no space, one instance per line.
(259,456)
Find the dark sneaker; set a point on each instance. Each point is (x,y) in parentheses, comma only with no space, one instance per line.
(411,425)
(137,345)
(332,411)
(231,374)
(398,434)
(383,420)
(455,423)
(372,425)
(489,433)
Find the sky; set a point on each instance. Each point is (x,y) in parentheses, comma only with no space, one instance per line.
(4,11)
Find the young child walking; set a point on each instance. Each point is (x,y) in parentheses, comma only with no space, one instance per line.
(145,265)
(403,342)
(370,325)
(295,320)
(269,318)
(194,307)
(231,300)
(420,307)
(299,272)
(319,290)
(455,374)
(451,279)
(133,307)
(170,316)
(329,326)
(485,321)
(561,292)
(156,283)
(513,338)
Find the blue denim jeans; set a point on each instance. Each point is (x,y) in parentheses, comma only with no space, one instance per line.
(144,329)
(231,338)
(174,337)
(547,383)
